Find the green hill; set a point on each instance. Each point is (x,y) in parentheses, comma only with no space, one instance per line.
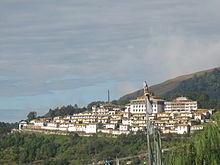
(203,86)
(208,83)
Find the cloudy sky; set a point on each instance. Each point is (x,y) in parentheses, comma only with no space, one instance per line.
(54,52)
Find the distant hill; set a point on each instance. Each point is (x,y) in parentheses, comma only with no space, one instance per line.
(204,84)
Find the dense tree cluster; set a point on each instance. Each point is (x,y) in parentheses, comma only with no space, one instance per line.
(202,148)
(31,115)
(65,110)
(6,128)
(209,83)
(56,149)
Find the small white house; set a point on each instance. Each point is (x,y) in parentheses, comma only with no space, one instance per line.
(91,128)
(77,128)
(137,128)
(118,132)
(182,129)
(110,126)
(126,121)
(37,123)
(196,128)
(63,127)
(22,124)
(50,126)
(124,127)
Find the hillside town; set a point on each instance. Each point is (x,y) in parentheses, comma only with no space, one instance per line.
(179,116)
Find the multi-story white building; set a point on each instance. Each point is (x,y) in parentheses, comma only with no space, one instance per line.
(139,106)
(180,104)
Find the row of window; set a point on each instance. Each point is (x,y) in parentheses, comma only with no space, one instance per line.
(139,110)
(139,106)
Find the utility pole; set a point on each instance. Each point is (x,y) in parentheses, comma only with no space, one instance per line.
(117,161)
(153,135)
(147,97)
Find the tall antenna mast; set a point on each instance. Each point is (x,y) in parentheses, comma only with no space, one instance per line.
(108,96)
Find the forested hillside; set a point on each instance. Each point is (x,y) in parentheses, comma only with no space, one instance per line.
(205,89)
(203,148)
(202,86)
(208,83)
(21,148)
(6,128)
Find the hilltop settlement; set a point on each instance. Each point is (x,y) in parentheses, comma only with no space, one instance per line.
(179,116)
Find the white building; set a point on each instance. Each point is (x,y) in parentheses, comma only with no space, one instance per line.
(22,124)
(50,126)
(182,129)
(124,127)
(63,127)
(196,128)
(138,106)
(77,128)
(38,123)
(126,121)
(110,126)
(91,128)
(180,104)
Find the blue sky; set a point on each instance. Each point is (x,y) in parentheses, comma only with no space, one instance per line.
(54,52)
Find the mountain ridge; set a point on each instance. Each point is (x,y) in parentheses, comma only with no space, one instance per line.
(167,86)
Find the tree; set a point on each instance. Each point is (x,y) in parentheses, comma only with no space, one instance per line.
(202,148)
(31,115)
(75,106)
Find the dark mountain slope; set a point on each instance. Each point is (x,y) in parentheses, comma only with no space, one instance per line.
(206,83)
